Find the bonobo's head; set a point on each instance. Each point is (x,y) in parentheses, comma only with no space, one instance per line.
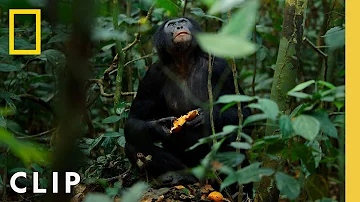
(175,37)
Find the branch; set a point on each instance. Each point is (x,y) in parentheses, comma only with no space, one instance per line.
(321,53)
(134,60)
(38,135)
(99,82)
(184,9)
(39,101)
(137,35)
(112,66)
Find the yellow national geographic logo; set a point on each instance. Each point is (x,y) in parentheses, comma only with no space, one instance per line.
(12,13)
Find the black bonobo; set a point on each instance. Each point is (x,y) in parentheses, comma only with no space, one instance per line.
(173,86)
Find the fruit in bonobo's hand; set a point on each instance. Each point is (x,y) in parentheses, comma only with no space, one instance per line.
(215,196)
(179,122)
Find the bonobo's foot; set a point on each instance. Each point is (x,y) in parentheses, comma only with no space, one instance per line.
(170,179)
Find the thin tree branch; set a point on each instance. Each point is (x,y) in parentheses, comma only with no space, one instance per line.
(184,9)
(39,101)
(38,135)
(137,35)
(321,53)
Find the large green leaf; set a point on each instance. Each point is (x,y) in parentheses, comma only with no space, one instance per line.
(224,5)
(302,86)
(306,126)
(286,127)
(54,57)
(111,119)
(242,22)
(223,45)
(335,37)
(240,145)
(234,98)
(230,158)
(250,173)
(8,68)
(95,197)
(287,185)
(269,107)
(26,151)
(254,118)
(199,12)
(169,5)
(325,123)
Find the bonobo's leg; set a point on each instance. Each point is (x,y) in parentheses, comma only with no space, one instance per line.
(161,165)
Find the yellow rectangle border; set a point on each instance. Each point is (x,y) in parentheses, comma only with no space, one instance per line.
(12,13)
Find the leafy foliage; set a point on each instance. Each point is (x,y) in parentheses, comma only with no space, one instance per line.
(308,137)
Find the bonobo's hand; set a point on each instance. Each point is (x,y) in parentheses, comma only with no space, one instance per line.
(197,121)
(161,127)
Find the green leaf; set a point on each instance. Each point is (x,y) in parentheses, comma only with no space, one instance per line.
(224,5)
(113,134)
(106,34)
(240,145)
(199,12)
(287,185)
(26,151)
(234,98)
(135,192)
(316,151)
(306,126)
(37,168)
(121,141)
(111,119)
(199,172)
(230,159)
(335,37)
(227,106)
(95,197)
(286,127)
(21,44)
(250,173)
(226,131)
(168,5)
(299,95)
(254,118)
(54,57)
(5,95)
(244,18)
(269,107)
(327,84)
(326,125)
(223,45)
(302,86)
(59,38)
(8,68)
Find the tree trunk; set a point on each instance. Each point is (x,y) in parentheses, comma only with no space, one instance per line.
(284,80)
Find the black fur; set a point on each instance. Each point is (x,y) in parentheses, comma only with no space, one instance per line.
(159,96)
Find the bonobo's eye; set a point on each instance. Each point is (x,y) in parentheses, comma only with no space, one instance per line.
(183,21)
(171,24)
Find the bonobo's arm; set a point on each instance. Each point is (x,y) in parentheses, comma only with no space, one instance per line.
(145,109)
(228,117)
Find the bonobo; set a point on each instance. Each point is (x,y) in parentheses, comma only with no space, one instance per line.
(173,86)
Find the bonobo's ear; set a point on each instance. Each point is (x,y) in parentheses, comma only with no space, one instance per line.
(159,37)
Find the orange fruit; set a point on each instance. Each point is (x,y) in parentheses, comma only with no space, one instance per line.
(179,122)
(215,196)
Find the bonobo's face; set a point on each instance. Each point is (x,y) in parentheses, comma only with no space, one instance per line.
(179,35)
